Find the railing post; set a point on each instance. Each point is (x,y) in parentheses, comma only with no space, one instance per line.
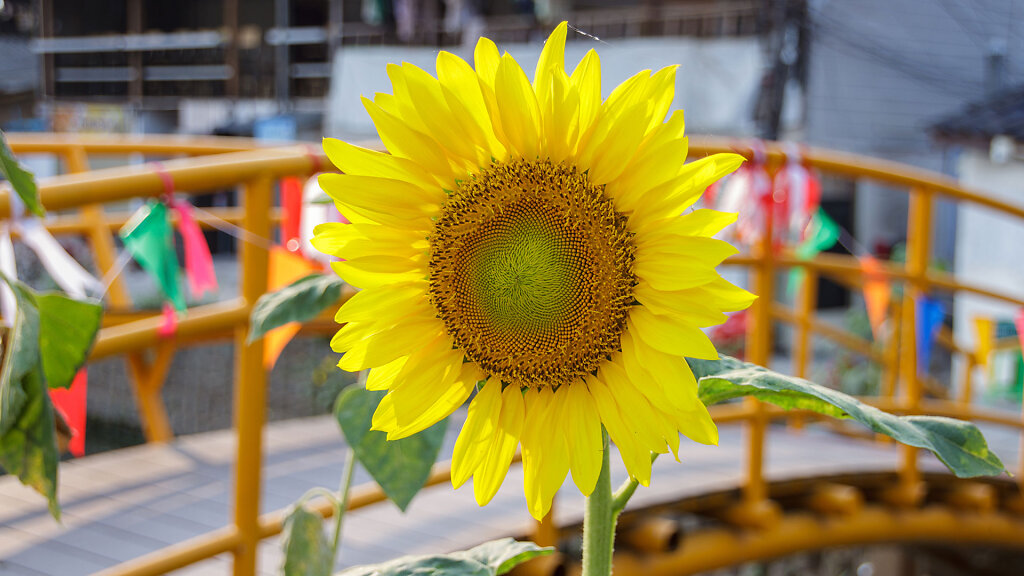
(910,489)
(806,303)
(250,380)
(755,509)
(147,379)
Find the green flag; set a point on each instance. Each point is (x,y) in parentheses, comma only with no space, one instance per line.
(149,238)
(822,234)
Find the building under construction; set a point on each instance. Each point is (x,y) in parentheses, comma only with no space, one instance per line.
(221,67)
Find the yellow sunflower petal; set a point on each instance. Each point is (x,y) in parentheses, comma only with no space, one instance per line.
(382,377)
(655,385)
(350,241)
(403,141)
(393,199)
(384,347)
(403,103)
(586,78)
(424,397)
(670,335)
(658,160)
(519,112)
(441,123)
(636,458)
(673,197)
(461,88)
(669,272)
(698,426)
(552,60)
(661,91)
(705,222)
(607,154)
(583,435)
(352,333)
(494,468)
(353,159)
(477,435)
(685,304)
(384,304)
(369,272)
(653,430)
(545,454)
(726,295)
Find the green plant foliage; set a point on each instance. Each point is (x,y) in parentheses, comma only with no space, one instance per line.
(306,551)
(490,559)
(67,330)
(300,301)
(958,444)
(23,182)
(38,343)
(400,467)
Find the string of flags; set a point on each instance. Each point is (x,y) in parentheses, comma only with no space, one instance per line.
(791,200)
(72,278)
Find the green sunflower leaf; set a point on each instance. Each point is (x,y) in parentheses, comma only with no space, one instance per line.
(504,554)
(300,301)
(28,444)
(400,467)
(23,181)
(490,559)
(958,444)
(67,330)
(306,551)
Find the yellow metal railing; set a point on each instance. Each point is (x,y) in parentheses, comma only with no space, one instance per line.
(213,164)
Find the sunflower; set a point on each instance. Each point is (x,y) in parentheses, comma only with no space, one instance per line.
(529,242)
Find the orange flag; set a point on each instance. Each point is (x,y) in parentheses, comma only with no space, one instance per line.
(284,268)
(876,293)
(985,332)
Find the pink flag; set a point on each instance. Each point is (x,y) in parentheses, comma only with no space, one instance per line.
(198,262)
(1019,321)
(169,327)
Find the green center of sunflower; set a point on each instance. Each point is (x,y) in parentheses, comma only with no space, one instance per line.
(531,272)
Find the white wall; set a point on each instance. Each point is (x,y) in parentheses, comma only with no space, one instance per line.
(716,83)
(989,245)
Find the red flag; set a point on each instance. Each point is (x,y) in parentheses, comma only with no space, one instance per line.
(71,403)
(291,208)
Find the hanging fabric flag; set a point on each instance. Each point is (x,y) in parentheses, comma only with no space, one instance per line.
(984,330)
(317,208)
(284,268)
(822,234)
(199,271)
(71,403)
(746,193)
(148,237)
(291,213)
(929,316)
(876,294)
(1018,321)
(8,305)
(798,196)
(65,270)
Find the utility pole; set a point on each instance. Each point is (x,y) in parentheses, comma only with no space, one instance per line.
(785,40)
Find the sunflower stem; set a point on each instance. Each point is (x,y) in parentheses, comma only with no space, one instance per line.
(341,503)
(599,522)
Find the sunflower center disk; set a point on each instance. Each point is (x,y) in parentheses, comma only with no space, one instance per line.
(531,272)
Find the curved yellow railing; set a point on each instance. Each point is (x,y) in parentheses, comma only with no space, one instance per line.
(212,164)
